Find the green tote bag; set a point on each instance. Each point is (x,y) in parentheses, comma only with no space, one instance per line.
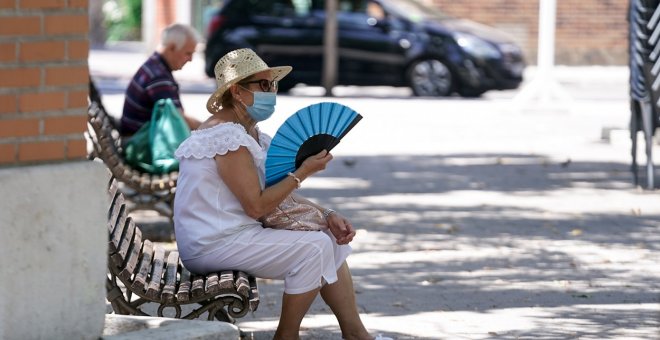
(151,149)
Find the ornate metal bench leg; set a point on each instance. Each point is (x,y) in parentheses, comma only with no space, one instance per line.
(120,303)
(221,315)
(177,310)
(115,296)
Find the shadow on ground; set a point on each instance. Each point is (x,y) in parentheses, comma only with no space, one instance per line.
(484,234)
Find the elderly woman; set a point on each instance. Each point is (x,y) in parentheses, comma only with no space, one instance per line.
(221,197)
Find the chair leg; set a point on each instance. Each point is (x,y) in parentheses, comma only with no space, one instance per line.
(634,128)
(647,116)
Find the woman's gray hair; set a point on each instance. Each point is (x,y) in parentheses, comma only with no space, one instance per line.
(178,34)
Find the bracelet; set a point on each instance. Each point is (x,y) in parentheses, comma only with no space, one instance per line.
(327,213)
(295,178)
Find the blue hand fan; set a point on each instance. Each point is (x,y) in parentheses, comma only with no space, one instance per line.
(308,131)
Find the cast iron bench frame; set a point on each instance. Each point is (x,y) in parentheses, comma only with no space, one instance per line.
(141,272)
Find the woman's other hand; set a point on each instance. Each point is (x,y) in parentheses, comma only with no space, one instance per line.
(341,228)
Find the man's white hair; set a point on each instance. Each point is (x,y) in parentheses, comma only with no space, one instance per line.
(178,34)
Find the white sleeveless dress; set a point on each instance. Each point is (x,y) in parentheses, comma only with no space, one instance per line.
(214,233)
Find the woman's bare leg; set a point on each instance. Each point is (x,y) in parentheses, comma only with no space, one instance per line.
(340,297)
(294,307)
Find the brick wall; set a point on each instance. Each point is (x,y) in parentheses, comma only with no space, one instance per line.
(43,80)
(588,32)
(165,16)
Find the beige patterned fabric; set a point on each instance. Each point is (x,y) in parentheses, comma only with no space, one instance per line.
(236,66)
(294,215)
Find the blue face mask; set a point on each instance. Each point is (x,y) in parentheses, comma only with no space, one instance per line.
(263,106)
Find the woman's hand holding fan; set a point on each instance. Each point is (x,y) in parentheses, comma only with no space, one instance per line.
(314,163)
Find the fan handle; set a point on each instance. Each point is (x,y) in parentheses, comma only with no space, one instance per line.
(314,145)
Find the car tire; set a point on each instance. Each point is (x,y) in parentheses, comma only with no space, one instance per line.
(430,78)
(470,93)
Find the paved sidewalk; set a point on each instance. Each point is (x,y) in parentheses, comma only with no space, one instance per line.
(478,221)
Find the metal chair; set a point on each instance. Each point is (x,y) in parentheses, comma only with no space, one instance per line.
(644,63)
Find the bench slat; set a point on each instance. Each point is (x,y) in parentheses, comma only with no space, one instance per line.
(155,279)
(118,232)
(126,241)
(197,285)
(113,187)
(115,210)
(107,142)
(116,202)
(145,181)
(133,256)
(112,161)
(156,183)
(135,178)
(227,280)
(212,283)
(242,284)
(170,277)
(139,282)
(183,294)
(254,294)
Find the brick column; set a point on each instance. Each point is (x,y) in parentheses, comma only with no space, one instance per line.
(43,81)
(52,215)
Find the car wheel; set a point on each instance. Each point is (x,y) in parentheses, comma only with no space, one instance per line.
(430,77)
(470,93)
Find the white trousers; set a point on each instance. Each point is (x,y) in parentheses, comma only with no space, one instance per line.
(300,258)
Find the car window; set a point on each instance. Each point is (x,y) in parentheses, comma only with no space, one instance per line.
(280,8)
(302,7)
(357,6)
(414,10)
(359,14)
(342,5)
(375,11)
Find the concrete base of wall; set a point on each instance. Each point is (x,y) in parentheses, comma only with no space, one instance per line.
(53,249)
(125,327)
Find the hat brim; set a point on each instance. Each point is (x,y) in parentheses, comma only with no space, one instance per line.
(278,72)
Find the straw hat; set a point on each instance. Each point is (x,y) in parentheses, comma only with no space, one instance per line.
(236,66)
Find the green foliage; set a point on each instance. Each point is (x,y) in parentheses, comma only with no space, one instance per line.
(123,19)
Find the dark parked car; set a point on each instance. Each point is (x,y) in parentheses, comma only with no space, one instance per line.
(381,42)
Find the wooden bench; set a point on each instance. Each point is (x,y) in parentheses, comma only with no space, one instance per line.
(140,272)
(143,190)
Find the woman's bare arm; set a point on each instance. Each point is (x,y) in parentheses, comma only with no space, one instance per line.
(238,171)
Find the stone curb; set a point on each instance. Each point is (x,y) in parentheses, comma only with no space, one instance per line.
(125,327)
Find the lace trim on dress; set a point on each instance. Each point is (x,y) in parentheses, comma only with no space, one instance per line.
(220,139)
